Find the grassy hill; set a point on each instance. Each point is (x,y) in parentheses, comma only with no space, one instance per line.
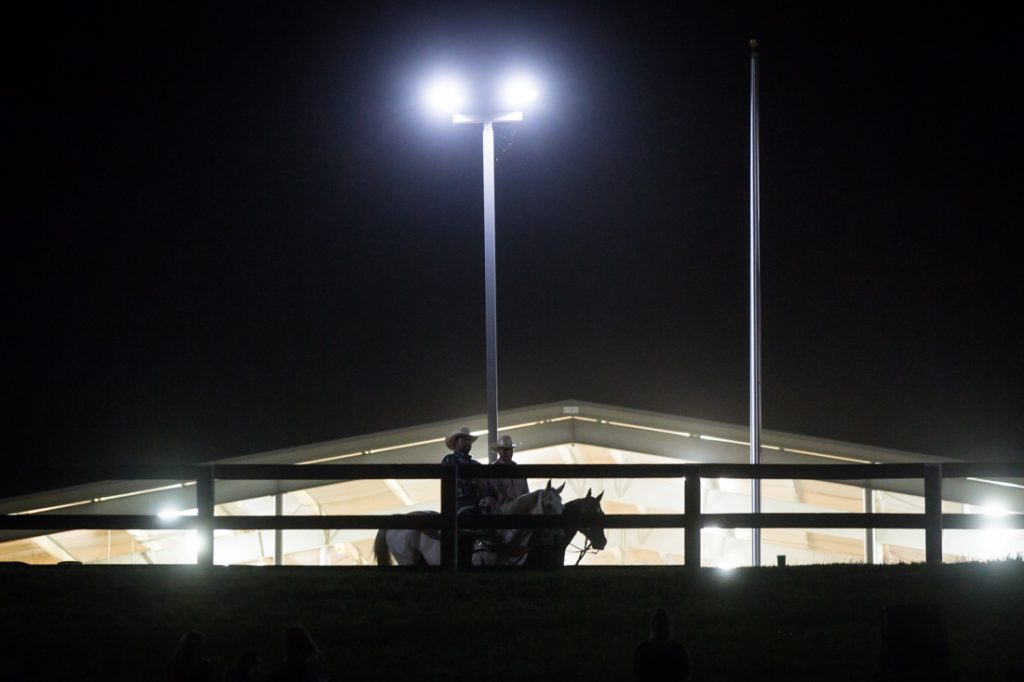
(792,623)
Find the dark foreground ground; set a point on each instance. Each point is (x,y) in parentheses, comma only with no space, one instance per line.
(794,623)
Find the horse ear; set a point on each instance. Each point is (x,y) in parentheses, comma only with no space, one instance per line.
(549,485)
(560,488)
(588,492)
(598,498)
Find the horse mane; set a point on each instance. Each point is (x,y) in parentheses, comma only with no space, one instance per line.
(579,505)
(574,506)
(523,504)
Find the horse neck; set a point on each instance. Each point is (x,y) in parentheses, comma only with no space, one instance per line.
(525,504)
(571,527)
(569,515)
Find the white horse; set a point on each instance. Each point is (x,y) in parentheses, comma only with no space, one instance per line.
(511,545)
(411,547)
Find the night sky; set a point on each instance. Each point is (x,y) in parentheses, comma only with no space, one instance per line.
(233,228)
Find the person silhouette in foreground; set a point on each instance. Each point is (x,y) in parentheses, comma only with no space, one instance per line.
(188,662)
(246,670)
(303,661)
(660,657)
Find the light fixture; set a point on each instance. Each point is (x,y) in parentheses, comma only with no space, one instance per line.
(518,92)
(445,95)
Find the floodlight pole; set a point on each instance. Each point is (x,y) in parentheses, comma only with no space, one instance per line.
(755,308)
(490,291)
(490,269)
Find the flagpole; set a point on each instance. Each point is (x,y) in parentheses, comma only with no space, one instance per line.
(755,308)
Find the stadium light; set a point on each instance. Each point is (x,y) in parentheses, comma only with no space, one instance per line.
(445,95)
(519,92)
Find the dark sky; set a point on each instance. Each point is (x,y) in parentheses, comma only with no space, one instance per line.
(234,229)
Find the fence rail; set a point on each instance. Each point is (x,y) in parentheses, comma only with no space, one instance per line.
(932,521)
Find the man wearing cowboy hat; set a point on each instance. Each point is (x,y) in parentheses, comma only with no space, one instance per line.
(468,491)
(503,490)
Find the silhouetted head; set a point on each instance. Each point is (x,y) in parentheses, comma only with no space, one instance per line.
(551,499)
(504,448)
(590,506)
(298,645)
(460,441)
(249,661)
(661,625)
(190,646)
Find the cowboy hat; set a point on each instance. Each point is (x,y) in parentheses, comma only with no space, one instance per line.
(504,443)
(449,442)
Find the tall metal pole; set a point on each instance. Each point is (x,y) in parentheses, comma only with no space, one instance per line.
(755,309)
(278,532)
(490,292)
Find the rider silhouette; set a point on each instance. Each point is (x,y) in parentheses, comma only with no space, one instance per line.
(501,491)
(467,491)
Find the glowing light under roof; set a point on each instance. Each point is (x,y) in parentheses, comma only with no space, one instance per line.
(684,434)
(1005,484)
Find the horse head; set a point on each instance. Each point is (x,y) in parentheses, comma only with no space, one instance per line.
(589,506)
(551,499)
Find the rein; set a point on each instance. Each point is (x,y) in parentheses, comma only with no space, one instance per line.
(584,550)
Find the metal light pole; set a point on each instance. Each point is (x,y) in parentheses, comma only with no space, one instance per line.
(490,291)
(517,93)
(490,268)
(755,309)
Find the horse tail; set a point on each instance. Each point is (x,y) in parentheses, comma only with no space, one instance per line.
(380,548)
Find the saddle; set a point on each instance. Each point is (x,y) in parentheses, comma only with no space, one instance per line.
(435,533)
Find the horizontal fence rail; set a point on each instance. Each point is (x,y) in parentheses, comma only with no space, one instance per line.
(932,521)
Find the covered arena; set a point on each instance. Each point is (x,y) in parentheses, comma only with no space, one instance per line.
(566,432)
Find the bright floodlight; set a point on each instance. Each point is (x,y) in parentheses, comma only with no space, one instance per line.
(519,92)
(445,96)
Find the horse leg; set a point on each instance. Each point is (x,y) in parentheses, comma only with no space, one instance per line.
(429,551)
(404,545)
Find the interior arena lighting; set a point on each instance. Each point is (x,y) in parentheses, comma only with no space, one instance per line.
(445,95)
(169,514)
(994,510)
(518,92)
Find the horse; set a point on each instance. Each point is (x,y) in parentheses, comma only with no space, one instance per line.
(411,547)
(549,552)
(553,555)
(508,546)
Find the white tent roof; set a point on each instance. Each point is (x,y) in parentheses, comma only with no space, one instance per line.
(549,432)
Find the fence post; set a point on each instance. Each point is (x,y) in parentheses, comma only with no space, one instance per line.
(450,526)
(933,513)
(205,501)
(691,500)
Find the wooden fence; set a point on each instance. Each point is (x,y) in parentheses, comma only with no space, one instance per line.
(932,521)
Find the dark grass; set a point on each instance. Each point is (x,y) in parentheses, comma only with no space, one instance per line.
(793,623)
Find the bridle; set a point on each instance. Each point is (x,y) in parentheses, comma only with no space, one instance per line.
(586,548)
